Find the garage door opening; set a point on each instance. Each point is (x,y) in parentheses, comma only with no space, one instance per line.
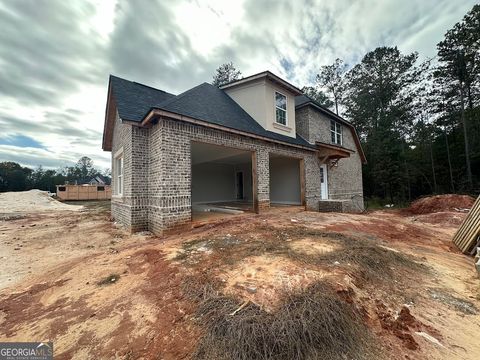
(221,181)
(286,181)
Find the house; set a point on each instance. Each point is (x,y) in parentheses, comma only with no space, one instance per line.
(251,144)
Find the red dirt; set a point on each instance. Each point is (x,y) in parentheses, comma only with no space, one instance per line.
(402,325)
(439,203)
(147,313)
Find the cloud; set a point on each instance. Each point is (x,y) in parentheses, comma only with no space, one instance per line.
(21,141)
(47,49)
(56,55)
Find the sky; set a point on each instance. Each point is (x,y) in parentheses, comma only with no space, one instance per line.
(56,55)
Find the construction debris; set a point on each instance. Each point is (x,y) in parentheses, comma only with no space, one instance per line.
(467,236)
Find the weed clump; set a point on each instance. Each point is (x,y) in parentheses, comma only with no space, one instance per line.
(110,279)
(314,323)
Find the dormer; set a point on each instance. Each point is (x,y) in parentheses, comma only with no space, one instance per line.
(268,99)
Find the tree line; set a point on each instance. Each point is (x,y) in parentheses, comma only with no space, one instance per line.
(14,177)
(418,121)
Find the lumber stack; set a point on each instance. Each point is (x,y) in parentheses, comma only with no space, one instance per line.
(466,237)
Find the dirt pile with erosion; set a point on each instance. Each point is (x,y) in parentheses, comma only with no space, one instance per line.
(285,284)
(441,203)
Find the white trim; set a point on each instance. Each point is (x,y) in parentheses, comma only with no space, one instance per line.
(118,152)
(119,172)
(281,127)
(275,92)
(324,194)
(337,131)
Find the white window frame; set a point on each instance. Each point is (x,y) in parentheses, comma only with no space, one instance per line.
(279,108)
(119,175)
(336,132)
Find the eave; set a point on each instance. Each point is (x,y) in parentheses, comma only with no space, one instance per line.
(335,117)
(264,75)
(159,113)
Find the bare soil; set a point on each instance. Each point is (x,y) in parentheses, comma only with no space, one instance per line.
(439,203)
(96,291)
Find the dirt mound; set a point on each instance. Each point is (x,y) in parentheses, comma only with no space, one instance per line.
(30,202)
(438,203)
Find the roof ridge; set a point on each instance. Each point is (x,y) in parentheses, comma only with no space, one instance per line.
(181,95)
(137,83)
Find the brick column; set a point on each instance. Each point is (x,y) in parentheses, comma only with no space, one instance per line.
(263,179)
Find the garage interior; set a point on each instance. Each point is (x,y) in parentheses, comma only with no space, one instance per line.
(286,181)
(221,181)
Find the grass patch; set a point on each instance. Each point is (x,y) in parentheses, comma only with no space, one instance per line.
(110,279)
(314,323)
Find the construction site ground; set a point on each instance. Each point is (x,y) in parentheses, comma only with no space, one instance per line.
(74,277)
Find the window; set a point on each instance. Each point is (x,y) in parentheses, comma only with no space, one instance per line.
(119,174)
(280,108)
(336,132)
(62,188)
(100,188)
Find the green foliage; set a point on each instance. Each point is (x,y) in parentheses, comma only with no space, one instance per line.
(14,177)
(419,123)
(225,73)
(331,77)
(318,95)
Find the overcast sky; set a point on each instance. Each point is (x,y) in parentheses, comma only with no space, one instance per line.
(55,56)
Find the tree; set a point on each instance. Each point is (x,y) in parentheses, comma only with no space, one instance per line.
(459,69)
(318,96)
(85,168)
(332,78)
(225,73)
(14,177)
(381,109)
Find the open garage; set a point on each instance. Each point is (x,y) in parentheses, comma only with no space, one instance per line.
(221,180)
(286,180)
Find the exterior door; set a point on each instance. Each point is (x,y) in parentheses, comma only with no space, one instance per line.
(239,185)
(323,182)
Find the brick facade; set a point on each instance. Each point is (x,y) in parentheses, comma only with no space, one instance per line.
(344,178)
(157,170)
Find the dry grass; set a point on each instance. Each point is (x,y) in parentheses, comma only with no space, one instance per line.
(365,258)
(312,324)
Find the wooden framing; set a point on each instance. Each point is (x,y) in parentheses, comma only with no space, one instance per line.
(466,237)
(255,183)
(84,192)
(302,183)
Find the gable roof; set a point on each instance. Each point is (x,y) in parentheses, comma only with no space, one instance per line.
(304,100)
(210,104)
(133,99)
(264,74)
(204,102)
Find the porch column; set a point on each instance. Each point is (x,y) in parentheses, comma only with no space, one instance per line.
(261,179)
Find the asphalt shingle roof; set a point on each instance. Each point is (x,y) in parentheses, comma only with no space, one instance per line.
(204,102)
(304,99)
(134,100)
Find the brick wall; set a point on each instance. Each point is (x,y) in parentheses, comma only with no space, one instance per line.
(345,178)
(122,139)
(157,170)
(169,178)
